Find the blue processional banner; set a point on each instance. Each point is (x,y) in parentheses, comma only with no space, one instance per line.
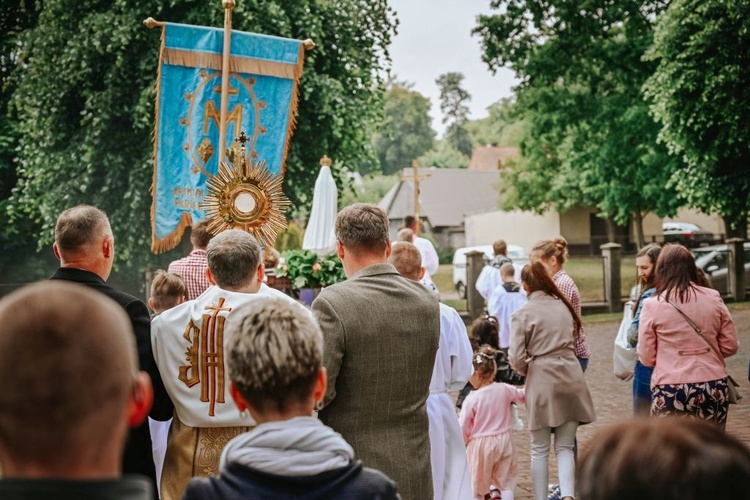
(265,73)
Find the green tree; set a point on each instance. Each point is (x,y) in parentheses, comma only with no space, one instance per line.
(701,97)
(85,100)
(453,99)
(444,155)
(589,139)
(407,132)
(370,189)
(15,19)
(501,128)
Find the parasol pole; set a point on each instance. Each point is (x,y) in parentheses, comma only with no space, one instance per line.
(228,5)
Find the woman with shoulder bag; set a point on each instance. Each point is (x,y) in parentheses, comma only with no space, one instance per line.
(645,264)
(685,333)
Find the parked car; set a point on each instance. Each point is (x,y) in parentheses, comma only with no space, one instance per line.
(714,262)
(687,234)
(515,252)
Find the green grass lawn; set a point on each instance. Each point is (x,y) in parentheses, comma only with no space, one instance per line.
(587,272)
(443,279)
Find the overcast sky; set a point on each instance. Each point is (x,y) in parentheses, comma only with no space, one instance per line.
(434,37)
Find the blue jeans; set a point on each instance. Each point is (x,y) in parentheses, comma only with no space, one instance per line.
(584,363)
(642,389)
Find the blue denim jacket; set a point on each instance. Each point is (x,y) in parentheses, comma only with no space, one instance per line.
(633,330)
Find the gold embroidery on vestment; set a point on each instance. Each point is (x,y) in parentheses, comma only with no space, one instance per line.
(206,356)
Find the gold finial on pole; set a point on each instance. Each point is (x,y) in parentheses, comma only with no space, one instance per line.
(308,44)
(152,23)
(325,161)
(228,5)
(415,177)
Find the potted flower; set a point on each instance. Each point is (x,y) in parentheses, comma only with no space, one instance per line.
(307,271)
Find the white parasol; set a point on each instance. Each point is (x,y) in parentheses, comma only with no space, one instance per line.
(319,235)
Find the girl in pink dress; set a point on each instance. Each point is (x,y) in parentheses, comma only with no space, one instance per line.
(486,424)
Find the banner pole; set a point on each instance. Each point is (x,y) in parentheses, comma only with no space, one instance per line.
(228,6)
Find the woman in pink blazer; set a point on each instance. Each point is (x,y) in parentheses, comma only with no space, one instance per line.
(689,377)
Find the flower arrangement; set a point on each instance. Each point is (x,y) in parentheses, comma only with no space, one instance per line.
(306,270)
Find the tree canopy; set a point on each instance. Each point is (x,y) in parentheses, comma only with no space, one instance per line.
(589,139)
(84,100)
(15,18)
(700,92)
(503,127)
(407,131)
(453,99)
(444,155)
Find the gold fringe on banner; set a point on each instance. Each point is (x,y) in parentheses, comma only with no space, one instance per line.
(295,101)
(237,64)
(161,245)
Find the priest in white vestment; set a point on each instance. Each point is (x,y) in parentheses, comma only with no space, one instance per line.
(189,348)
(453,368)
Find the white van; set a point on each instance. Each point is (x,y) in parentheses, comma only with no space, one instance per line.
(515,252)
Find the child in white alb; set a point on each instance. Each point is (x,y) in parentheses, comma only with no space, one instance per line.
(486,422)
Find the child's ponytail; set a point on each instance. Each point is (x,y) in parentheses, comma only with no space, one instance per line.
(484,362)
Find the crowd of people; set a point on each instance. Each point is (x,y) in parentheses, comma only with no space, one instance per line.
(249,394)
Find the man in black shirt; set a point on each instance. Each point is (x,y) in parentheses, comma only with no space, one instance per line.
(85,246)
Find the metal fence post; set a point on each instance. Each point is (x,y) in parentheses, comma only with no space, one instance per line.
(736,268)
(474,266)
(612,293)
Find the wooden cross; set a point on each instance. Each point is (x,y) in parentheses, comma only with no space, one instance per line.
(415,177)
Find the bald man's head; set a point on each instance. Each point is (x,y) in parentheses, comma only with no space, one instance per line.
(407,260)
(68,366)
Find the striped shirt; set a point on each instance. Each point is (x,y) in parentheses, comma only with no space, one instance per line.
(192,269)
(569,289)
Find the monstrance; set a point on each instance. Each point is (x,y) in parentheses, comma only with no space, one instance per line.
(244,194)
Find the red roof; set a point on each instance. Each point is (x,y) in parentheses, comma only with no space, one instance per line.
(492,157)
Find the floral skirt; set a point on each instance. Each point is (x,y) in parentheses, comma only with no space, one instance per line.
(703,400)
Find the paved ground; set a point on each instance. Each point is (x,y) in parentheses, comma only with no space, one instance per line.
(612,397)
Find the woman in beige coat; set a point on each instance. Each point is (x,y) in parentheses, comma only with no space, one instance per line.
(542,347)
